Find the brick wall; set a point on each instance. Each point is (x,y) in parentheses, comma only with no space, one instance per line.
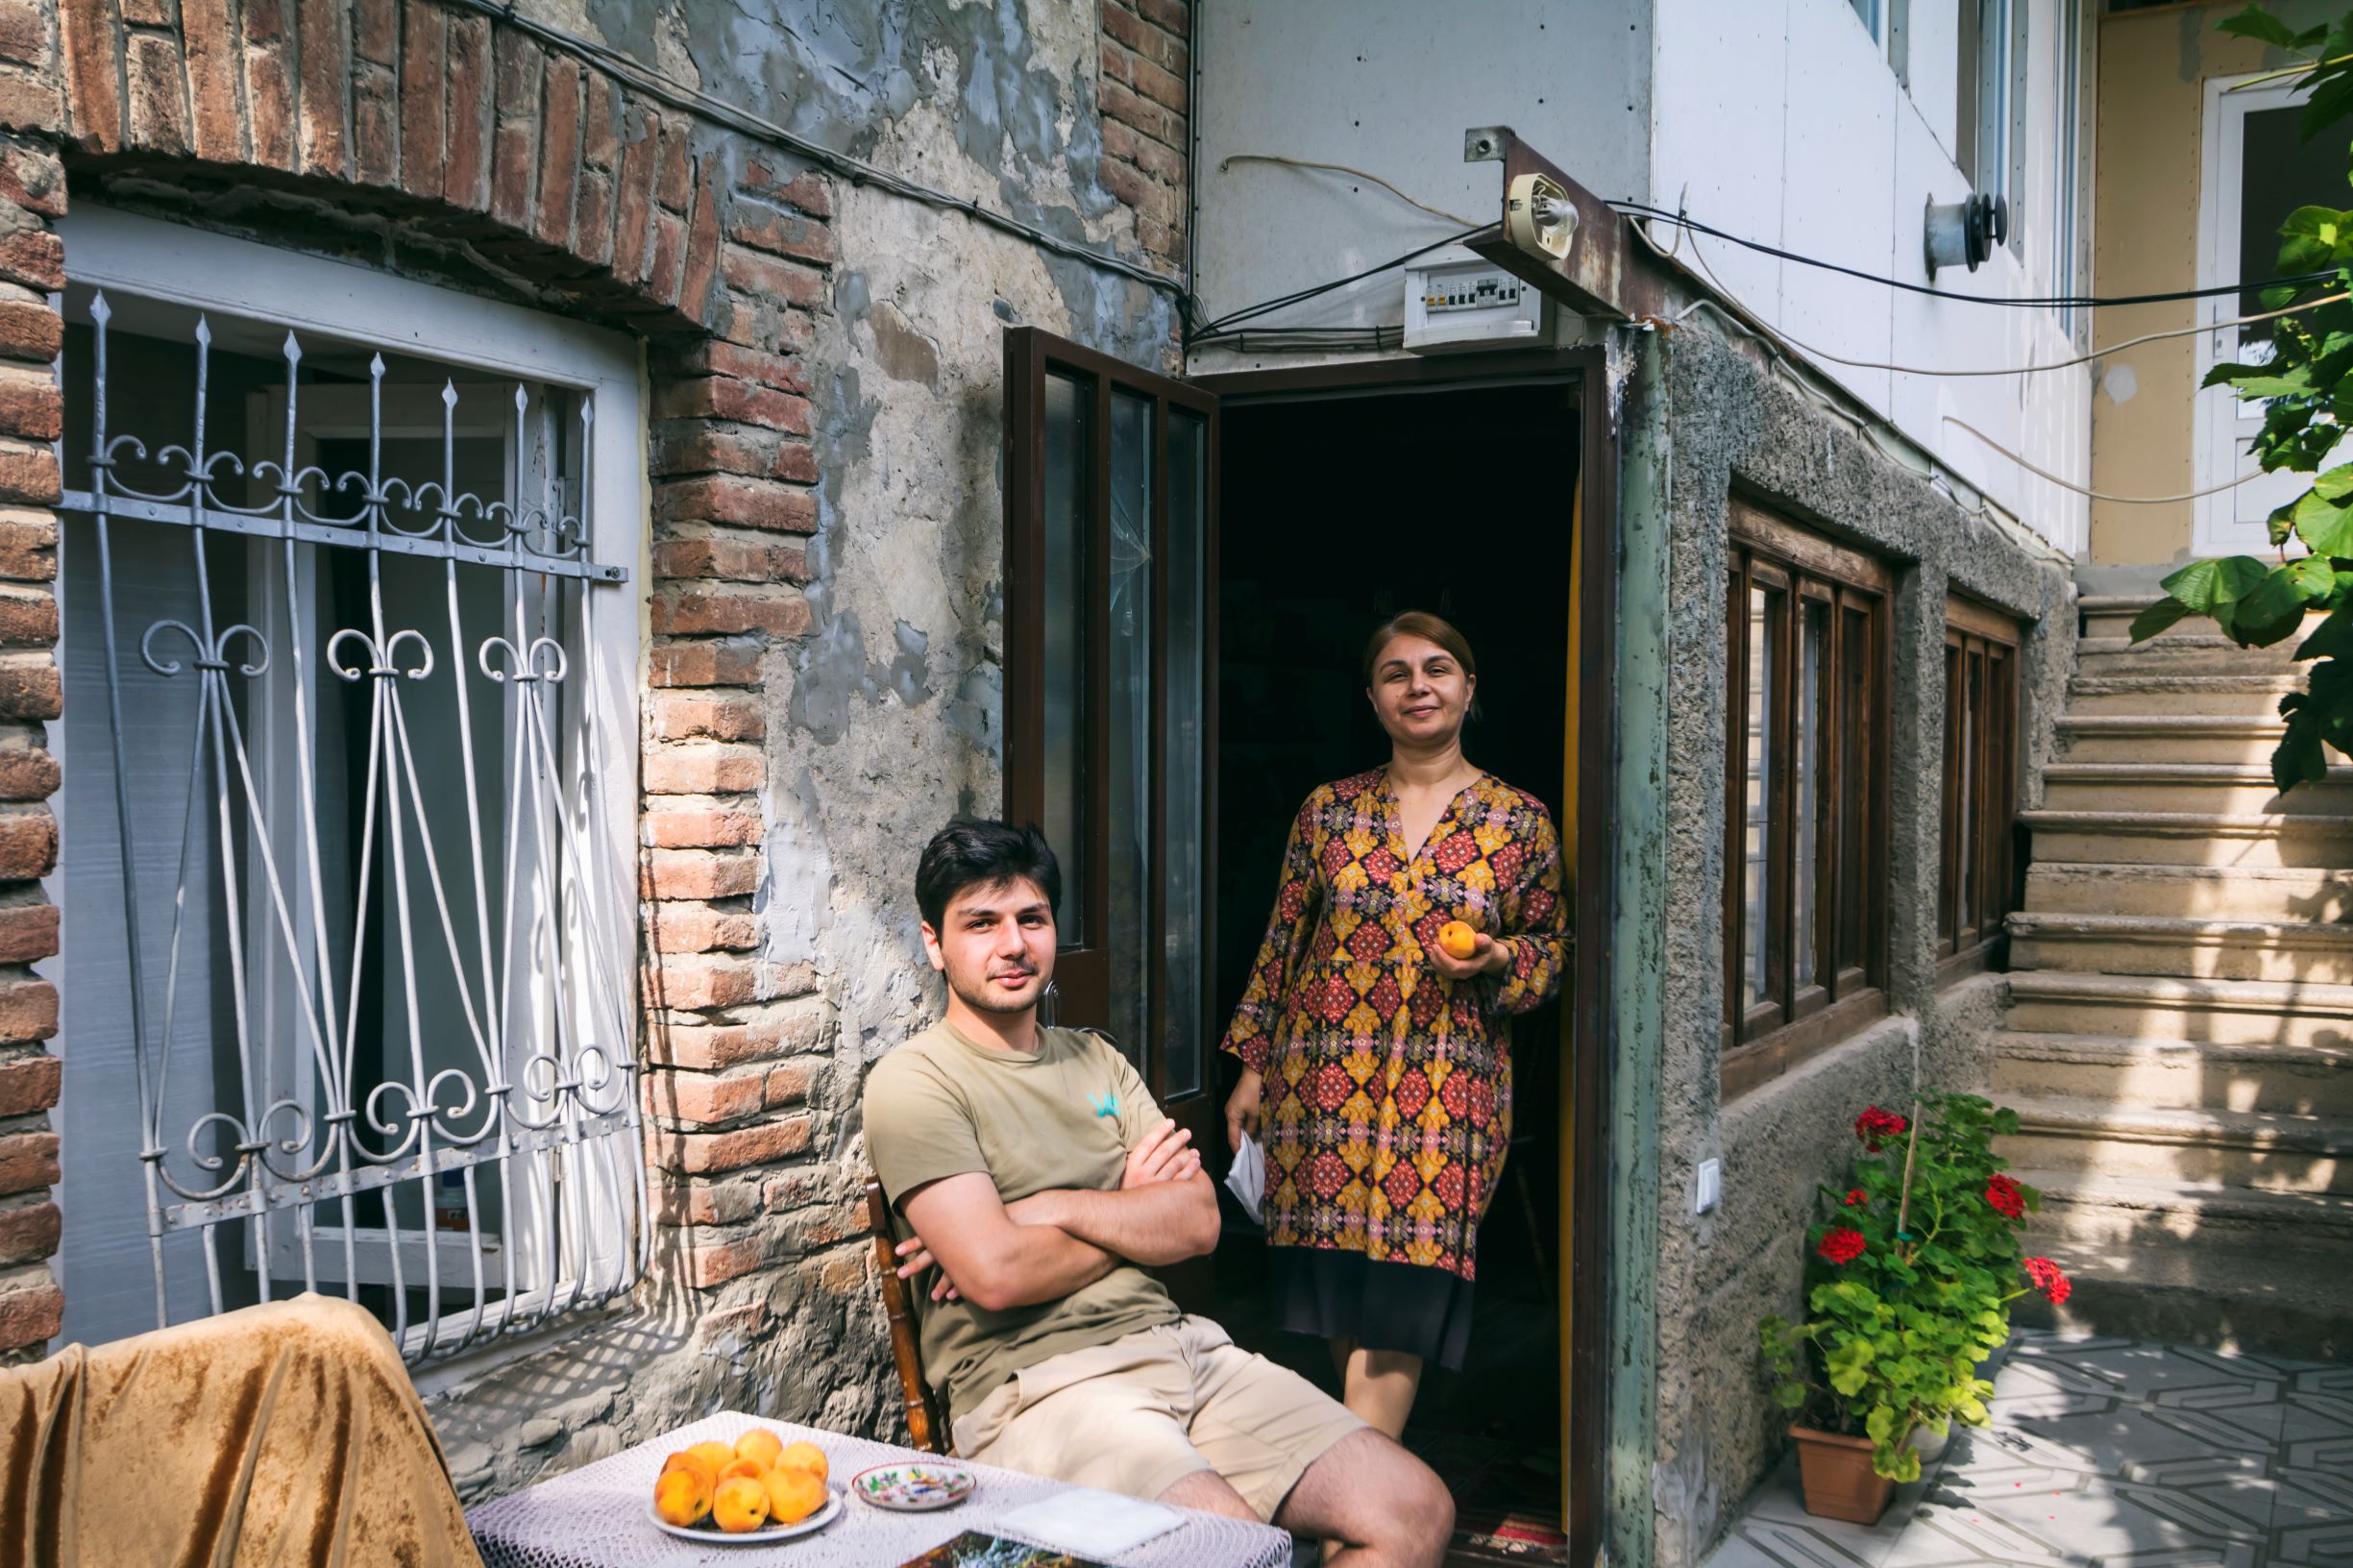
(520,165)
(1147,69)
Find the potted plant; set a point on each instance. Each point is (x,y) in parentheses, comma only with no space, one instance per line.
(1908,1290)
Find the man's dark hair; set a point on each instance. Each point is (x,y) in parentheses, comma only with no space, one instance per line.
(972,851)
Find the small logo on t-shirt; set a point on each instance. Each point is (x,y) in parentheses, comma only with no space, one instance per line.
(1105,1105)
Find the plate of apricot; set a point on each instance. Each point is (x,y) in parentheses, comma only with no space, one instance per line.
(760,1489)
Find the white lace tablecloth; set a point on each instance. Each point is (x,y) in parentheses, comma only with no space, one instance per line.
(595,1517)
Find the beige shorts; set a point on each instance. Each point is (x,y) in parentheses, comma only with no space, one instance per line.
(1141,1413)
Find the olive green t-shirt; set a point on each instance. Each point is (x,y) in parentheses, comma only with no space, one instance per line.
(941,1105)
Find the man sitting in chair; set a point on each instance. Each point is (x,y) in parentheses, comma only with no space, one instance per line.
(1034,1181)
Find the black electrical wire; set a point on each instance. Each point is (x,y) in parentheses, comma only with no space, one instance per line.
(2042,303)
(1251,312)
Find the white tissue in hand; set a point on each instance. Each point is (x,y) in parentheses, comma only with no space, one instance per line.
(1247,1179)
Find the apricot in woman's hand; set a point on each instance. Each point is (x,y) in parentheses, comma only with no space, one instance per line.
(1458,940)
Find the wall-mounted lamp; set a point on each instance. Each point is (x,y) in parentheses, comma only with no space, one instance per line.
(1538,216)
(1964,234)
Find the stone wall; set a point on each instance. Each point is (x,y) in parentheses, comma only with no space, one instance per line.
(1733,425)
(823,611)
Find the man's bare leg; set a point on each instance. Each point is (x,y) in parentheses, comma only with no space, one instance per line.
(1208,1491)
(1383,1507)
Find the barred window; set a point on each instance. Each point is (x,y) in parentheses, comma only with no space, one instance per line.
(349,741)
(1978,870)
(1809,660)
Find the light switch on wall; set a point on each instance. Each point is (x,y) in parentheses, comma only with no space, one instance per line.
(1709,1189)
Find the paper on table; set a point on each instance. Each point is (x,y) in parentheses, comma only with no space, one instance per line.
(1247,1179)
(1091,1524)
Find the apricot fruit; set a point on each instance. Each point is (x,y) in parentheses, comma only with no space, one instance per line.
(761,1446)
(1457,939)
(754,1469)
(715,1455)
(739,1505)
(804,1457)
(682,1496)
(793,1494)
(688,1460)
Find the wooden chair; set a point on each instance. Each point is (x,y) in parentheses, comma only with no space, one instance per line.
(925,1421)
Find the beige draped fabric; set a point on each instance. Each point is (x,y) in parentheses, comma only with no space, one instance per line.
(281,1434)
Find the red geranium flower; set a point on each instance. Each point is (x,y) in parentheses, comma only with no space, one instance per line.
(1842,1245)
(1875,1127)
(1858,1196)
(2004,1195)
(2048,1280)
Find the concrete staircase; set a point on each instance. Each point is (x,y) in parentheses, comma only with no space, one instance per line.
(2179,1041)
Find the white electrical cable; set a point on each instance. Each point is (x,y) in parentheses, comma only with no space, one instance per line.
(1225,163)
(1777,340)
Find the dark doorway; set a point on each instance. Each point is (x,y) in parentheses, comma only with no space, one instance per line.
(1338,511)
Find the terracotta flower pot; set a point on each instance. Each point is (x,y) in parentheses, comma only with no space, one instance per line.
(1839,1480)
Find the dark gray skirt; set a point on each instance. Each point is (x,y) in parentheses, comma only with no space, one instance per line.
(1343,1295)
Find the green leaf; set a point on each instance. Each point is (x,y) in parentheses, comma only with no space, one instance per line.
(1789,1395)
(2332,638)
(2261,25)
(2157,618)
(2205,585)
(2325,527)
(2273,609)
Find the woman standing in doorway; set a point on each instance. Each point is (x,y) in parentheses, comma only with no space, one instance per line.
(1376,1065)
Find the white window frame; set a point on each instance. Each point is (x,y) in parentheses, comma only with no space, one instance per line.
(2228,522)
(131,255)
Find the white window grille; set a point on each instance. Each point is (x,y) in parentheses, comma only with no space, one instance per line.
(350,757)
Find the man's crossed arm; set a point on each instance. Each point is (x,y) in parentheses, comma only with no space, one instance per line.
(1041,1248)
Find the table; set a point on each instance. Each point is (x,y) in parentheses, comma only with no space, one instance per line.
(595,1517)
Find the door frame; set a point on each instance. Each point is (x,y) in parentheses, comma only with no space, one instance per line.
(2219,421)
(1588,842)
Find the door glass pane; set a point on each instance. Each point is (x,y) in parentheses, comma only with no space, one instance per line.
(1946,907)
(1128,838)
(1764,608)
(2278,172)
(1187,629)
(1807,757)
(1063,597)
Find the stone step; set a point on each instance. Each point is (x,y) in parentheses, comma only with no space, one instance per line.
(2256,1149)
(2190,838)
(2106,1211)
(2309,893)
(2178,1074)
(2168,737)
(2156,1007)
(2251,1298)
(2232,789)
(2220,949)
(2254,696)
(2111,615)
(2182,651)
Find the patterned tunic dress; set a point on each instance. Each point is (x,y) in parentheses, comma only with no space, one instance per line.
(1387,1099)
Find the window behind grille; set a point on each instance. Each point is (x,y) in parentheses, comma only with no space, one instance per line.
(346,914)
(1809,659)
(1977,873)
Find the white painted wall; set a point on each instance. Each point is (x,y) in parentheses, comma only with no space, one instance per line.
(1389,87)
(1782,120)
(1778,119)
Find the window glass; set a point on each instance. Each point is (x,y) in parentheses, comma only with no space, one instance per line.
(1130,837)
(1764,612)
(1068,406)
(1808,758)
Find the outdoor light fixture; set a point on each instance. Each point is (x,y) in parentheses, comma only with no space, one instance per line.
(1964,234)
(1537,215)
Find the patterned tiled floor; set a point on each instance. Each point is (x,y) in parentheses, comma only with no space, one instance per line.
(2108,1453)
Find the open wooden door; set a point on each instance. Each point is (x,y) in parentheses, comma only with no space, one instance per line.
(1111,538)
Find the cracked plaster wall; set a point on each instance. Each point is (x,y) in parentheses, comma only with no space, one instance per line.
(886,717)
(1733,426)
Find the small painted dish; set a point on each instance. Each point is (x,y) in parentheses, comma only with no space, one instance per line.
(912,1485)
(767,1536)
